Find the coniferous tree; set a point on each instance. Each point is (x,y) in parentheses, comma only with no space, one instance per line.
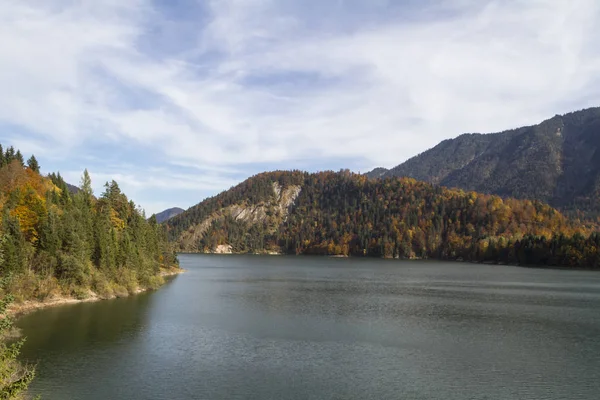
(33,165)
(9,155)
(19,158)
(86,187)
(13,246)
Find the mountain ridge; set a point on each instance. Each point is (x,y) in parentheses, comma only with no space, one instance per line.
(167,214)
(346,214)
(556,161)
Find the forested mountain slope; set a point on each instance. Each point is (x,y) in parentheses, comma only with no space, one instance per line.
(54,242)
(557,161)
(348,214)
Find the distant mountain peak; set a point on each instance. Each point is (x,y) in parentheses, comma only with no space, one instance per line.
(168,214)
(377,172)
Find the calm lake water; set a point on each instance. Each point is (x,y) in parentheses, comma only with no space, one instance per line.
(251,327)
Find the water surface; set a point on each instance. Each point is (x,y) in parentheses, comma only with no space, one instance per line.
(251,327)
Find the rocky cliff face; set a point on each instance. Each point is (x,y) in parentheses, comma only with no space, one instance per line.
(268,213)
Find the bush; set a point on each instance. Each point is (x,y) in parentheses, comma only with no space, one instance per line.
(43,264)
(120,291)
(102,286)
(154,282)
(72,270)
(14,376)
(47,288)
(128,279)
(80,293)
(23,286)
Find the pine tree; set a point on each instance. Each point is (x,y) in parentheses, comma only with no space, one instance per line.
(86,185)
(12,246)
(9,155)
(19,158)
(33,165)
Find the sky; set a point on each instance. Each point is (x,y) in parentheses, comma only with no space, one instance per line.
(178,100)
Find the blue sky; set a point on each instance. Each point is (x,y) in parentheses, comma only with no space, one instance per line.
(178,100)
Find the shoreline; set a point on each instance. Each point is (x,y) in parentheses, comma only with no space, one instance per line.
(489,263)
(28,306)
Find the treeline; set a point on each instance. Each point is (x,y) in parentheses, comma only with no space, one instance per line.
(348,214)
(55,242)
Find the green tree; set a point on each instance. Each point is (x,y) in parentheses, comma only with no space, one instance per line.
(19,158)
(86,186)
(9,155)
(12,246)
(14,376)
(33,164)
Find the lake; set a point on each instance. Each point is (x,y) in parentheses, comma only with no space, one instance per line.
(260,327)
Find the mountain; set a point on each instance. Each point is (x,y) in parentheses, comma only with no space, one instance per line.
(347,214)
(377,173)
(72,188)
(168,214)
(557,161)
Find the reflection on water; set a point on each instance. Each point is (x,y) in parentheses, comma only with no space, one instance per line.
(248,327)
(72,328)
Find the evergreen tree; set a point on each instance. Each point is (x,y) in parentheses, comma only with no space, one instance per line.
(13,246)
(33,165)
(19,158)
(86,186)
(9,155)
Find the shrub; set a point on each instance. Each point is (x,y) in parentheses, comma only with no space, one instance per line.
(23,286)
(14,376)
(47,288)
(128,279)
(120,291)
(80,293)
(102,286)
(154,282)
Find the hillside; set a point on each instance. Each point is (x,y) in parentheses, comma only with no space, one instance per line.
(347,214)
(168,214)
(557,161)
(55,242)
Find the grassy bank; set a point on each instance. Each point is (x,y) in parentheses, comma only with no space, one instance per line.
(32,292)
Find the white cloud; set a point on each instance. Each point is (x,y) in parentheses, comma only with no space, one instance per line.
(280,81)
(149,183)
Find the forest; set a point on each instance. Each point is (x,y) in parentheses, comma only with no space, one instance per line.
(56,242)
(352,215)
